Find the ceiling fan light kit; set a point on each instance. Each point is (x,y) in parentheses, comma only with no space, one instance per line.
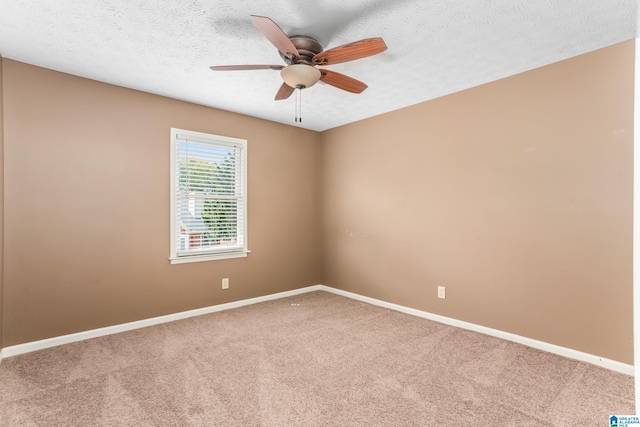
(303,54)
(300,76)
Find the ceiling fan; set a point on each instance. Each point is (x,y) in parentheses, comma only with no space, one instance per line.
(303,54)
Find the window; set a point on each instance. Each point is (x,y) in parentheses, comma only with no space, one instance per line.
(208,197)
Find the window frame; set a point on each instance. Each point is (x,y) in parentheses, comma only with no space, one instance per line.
(219,141)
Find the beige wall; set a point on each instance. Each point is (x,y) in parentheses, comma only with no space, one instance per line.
(1,206)
(87,206)
(515,195)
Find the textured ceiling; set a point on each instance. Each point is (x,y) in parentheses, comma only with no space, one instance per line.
(435,47)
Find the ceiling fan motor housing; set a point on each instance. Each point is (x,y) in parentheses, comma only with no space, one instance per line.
(307,47)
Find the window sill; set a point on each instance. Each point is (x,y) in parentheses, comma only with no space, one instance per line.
(208,257)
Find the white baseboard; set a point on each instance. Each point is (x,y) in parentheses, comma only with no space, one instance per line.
(94,333)
(108,330)
(540,345)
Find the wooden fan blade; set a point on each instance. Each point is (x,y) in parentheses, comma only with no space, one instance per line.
(275,35)
(284,92)
(342,82)
(351,51)
(246,67)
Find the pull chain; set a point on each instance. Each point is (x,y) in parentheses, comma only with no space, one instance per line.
(300,106)
(298,96)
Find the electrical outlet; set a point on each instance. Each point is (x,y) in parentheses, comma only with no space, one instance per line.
(225,283)
(441,292)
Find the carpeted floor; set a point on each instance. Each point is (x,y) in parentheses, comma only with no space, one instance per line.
(316,359)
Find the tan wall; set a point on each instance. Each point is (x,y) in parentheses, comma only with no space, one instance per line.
(1,205)
(515,195)
(87,206)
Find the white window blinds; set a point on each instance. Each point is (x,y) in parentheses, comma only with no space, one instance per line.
(208,203)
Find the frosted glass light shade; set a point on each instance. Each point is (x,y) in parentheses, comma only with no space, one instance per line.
(300,75)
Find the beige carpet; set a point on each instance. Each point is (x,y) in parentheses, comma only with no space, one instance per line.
(316,359)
